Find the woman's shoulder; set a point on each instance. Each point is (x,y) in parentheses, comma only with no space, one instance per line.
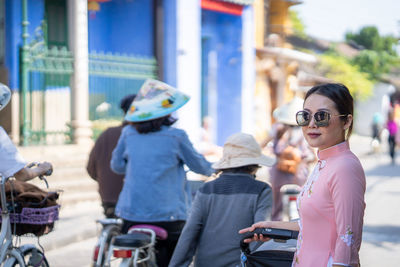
(128,129)
(173,131)
(347,165)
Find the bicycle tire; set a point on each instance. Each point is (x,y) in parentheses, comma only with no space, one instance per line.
(112,230)
(29,258)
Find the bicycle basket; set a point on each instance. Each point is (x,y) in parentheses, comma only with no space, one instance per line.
(32,210)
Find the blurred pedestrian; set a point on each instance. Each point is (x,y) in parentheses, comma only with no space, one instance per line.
(11,161)
(292,152)
(331,203)
(376,126)
(98,166)
(221,207)
(151,153)
(376,130)
(392,127)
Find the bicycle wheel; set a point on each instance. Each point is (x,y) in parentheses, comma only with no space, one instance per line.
(33,258)
(104,242)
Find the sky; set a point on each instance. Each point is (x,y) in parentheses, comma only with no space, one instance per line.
(331,19)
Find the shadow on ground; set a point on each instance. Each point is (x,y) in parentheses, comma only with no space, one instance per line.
(387,170)
(384,236)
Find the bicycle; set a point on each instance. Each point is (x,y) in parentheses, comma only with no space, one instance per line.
(110,227)
(26,255)
(134,249)
(289,201)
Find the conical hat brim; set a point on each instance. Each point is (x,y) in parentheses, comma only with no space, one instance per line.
(149,108)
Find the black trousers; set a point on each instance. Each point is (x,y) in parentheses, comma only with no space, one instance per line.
(392,147)
(109,209)
(164,248)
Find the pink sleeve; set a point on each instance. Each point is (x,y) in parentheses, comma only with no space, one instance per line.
(347,189)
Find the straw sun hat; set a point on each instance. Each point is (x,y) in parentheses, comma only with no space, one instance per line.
(287,113)
(241,150)
(154,100)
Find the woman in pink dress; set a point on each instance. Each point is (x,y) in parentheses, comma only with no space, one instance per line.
(331,204)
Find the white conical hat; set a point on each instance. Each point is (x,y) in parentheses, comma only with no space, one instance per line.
(5,95)
(154,100)
(287,113)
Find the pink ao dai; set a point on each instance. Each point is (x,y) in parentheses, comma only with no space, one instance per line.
(331,207)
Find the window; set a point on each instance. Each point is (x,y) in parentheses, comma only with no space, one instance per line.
(57,30)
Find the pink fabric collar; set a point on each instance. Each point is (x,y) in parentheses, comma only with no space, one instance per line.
(333,150)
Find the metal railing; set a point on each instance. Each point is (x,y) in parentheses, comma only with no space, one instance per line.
(113,76)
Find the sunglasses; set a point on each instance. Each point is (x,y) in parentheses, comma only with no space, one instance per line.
(321,118)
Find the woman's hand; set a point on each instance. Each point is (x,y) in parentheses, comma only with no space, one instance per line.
(256,237)
(28,173)
(293,226)
(45,168)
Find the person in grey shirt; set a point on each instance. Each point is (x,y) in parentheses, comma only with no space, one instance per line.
(224,206)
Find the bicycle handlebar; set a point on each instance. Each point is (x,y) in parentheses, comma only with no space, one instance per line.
(273,233)
(42,176)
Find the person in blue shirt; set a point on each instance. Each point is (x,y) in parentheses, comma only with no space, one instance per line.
(152,154)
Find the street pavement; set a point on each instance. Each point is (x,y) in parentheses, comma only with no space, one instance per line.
(381,235)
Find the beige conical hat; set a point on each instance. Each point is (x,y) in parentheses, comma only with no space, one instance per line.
(240,150)
(287,113)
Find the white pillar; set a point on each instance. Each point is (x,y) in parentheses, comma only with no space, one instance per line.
(81,125)
(189,65)
(248,71)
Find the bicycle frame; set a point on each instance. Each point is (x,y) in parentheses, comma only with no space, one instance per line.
(110,226)
(8,254)
(134,260)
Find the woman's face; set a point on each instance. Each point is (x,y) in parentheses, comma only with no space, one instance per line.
(324,137)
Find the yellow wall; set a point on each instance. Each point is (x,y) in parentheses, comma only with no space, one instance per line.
(259,17)
(279,21)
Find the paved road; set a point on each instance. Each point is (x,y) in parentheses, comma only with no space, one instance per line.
(381,237)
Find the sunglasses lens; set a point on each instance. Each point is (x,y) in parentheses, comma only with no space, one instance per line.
(303,118)
(321,118)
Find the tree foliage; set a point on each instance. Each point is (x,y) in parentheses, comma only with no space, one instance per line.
(369,38)
(297,24)
(374,63)
(379,54)
(339,69)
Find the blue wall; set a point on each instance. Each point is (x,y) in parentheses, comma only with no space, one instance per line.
(123,26)
(170,43)
(224,33)
(14,32)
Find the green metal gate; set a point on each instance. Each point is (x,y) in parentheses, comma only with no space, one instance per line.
(45,91)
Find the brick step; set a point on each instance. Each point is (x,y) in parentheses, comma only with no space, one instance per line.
(60,156)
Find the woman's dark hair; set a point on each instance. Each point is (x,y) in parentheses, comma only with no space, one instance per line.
(340,95)
(153,125)
(126,102)
(242,169)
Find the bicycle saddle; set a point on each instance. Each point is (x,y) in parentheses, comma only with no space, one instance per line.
(161,233)
(134,240)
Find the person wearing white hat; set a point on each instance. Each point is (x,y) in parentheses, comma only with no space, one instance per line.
(292,152)
(152,154)
(11,162)
(221,207)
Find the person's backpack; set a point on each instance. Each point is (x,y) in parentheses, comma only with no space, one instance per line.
(289,160)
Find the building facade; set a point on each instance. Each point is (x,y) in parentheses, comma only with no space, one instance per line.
(70,62)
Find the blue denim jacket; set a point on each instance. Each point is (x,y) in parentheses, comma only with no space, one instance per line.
(155,187)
